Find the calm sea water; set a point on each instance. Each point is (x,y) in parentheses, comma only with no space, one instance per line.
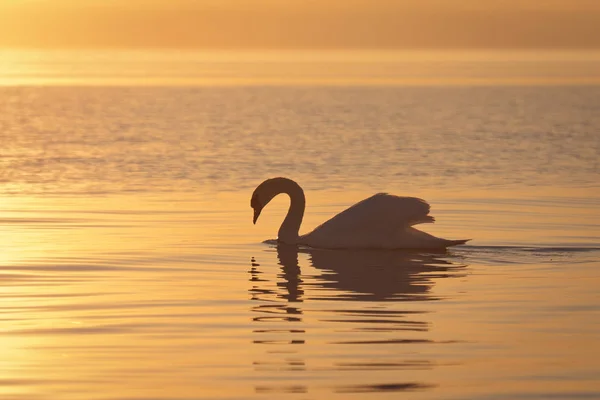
(130,268)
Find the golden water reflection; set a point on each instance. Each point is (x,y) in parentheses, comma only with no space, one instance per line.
(143,297)
(375,291)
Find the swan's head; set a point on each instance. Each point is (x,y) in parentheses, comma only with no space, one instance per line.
(257,205)
(262,195)
(265,192)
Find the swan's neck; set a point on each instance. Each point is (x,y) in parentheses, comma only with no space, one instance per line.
(288,233)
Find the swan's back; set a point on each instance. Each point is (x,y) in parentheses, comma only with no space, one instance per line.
(380,221)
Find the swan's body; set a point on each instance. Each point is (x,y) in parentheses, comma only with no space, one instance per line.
(382,221)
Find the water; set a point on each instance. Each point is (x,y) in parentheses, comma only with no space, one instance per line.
(130,268)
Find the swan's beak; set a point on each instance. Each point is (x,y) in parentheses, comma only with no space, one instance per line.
(256,214)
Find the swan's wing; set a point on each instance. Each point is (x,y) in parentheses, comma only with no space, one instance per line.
(379,214)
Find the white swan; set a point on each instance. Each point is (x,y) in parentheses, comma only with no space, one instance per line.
(382,221)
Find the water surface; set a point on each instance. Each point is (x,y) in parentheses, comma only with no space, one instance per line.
(130,268)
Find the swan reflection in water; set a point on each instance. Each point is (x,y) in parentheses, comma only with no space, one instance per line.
(372,291)
(372,275)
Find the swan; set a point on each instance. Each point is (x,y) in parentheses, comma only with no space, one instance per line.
(382,221)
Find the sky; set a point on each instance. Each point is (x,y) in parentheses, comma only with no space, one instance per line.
(300,24)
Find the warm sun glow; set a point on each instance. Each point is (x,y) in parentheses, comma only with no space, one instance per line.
(300,24)
(151,67)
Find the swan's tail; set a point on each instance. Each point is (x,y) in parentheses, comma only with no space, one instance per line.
(457,242)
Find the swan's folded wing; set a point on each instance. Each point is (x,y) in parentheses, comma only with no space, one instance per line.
(377,215)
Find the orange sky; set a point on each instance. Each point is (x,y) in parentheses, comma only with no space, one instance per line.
(301,23)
